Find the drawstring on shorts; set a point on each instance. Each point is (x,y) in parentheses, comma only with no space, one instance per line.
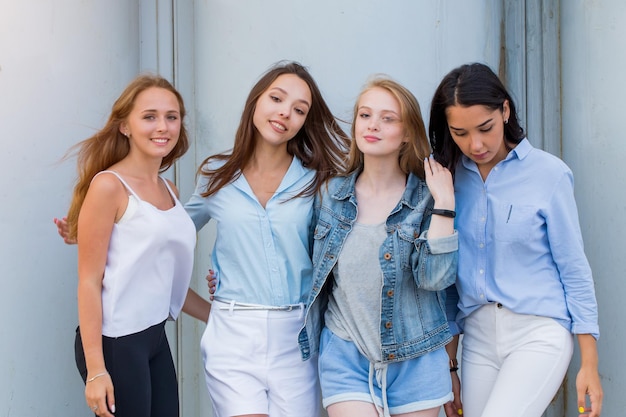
(379,371)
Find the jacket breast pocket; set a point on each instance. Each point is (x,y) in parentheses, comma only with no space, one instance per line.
(407,234)
(319,236)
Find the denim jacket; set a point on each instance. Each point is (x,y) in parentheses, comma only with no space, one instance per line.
(416,271)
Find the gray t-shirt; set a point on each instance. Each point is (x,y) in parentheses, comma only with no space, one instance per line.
(354,305)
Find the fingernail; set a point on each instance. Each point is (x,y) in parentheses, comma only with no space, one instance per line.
(581,410)
(113,408)
(459,412)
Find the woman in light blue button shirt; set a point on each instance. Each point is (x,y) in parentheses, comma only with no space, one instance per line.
(260,195)
(524,284)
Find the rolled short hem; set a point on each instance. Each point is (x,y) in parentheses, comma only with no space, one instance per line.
(405,408)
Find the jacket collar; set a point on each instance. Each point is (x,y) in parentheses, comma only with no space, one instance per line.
(413,194)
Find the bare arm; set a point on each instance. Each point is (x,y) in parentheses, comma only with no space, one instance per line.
(452,408)
(588,379)
(105,199)
(196,306)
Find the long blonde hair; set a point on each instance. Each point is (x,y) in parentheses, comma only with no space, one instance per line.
(414,151)
(109,146)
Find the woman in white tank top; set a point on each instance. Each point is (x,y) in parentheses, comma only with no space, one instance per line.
(135,253)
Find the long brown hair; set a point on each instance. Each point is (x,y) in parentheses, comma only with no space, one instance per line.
(320,144)
(109,146)
(413,152)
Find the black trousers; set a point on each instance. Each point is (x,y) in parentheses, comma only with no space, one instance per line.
(142,370)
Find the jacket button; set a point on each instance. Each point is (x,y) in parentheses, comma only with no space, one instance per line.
(387,256)
(415,234)
(388,325)
(391,356)
(390,293)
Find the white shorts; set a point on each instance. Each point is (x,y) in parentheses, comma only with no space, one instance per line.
(253,365)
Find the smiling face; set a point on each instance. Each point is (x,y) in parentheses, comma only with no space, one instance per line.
(153,126)
(281,110)
(478,131)
(378,127)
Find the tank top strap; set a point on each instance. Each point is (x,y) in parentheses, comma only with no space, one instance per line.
(167,184)
(119,177)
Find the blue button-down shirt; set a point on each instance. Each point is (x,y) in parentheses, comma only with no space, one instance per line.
(520,242)
(261,255)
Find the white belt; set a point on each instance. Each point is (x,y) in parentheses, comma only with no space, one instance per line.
(236,305)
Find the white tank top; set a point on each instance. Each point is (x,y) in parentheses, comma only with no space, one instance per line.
(149,266)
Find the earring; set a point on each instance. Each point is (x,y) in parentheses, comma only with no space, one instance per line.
(506,121)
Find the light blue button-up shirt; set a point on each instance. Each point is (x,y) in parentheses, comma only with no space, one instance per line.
(520,242)
(261,255)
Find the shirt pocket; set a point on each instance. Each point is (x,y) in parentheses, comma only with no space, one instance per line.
(514,223)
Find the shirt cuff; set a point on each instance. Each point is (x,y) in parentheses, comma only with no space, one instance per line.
(444,244)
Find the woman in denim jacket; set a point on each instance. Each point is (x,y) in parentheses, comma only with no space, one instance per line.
(381,265)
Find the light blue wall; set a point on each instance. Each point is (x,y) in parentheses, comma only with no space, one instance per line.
(593,59)
(61,65)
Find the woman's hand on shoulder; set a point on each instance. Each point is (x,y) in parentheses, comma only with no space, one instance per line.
(439,181)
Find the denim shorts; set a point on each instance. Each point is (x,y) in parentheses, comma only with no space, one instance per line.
(412,385)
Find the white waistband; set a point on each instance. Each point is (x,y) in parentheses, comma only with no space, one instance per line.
(236,305)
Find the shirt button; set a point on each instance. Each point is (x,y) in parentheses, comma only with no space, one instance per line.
(482,296)
(390,293)
(482,245)
(388,325)
(482,271)
(387,256)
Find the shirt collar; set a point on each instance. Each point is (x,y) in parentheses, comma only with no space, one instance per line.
(520,152)
(294,173)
